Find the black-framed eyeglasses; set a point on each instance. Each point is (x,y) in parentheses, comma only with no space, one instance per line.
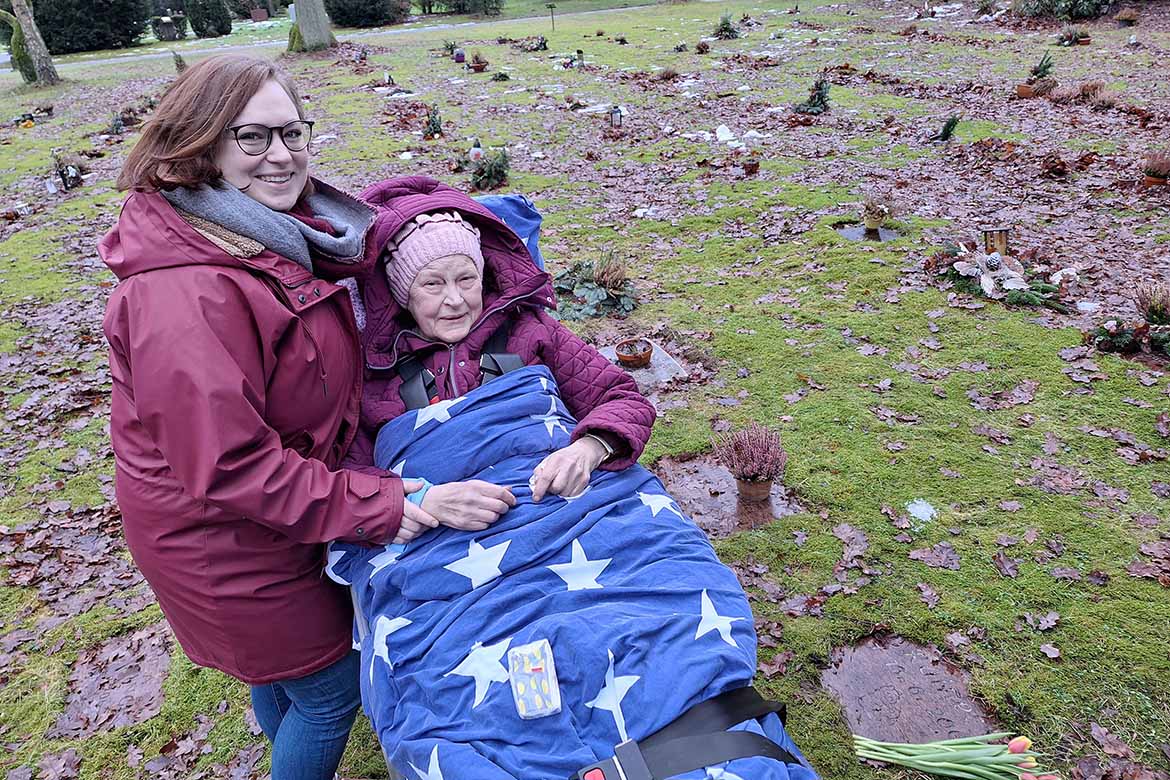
(254,140)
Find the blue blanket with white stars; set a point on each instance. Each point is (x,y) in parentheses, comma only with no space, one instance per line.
(643,619)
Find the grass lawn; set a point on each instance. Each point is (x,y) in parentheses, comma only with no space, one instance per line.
(882,385)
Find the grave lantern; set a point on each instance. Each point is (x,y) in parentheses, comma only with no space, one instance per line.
(475,153)
(995,239)
(615,117)
(580,59)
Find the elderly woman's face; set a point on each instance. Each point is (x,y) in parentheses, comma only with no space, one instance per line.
(446,298)
(276,177)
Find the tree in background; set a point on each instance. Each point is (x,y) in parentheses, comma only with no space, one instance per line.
(312,31)
(20,56)
(209,18)
(365,13)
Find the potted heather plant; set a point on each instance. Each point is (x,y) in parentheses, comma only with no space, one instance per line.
(479,62)
(1126,17)
(1157,169)
(1153,302)
(755,457)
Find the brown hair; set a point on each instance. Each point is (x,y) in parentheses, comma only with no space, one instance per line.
(179,143)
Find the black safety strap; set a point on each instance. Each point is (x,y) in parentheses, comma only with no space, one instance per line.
(717,714)
(418,386)
(699,750)
(419,390)
(494,361)
(695,739)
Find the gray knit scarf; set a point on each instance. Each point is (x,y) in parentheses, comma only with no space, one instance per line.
(282,233)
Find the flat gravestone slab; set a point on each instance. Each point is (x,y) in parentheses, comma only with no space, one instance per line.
(896,691)
(663,368)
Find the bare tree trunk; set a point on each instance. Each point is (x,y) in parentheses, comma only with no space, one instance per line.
(42,62)
(314,25)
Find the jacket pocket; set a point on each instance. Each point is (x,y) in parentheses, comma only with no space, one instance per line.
(301,443)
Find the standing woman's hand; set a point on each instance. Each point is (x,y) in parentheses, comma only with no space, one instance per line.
(415,520)
(469,506)
(566,472)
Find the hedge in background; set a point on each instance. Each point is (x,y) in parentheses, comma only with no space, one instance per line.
(367,13)
(88,25)
(209,18)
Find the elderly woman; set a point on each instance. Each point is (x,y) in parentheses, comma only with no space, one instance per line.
(457,300)
(236,388)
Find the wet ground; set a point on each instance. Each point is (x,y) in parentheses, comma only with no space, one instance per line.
(706,492)
(856,232)
(896,691)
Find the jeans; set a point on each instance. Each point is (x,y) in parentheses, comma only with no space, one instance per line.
(308,719)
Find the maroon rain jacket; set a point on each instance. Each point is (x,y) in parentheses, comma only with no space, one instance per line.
(236,387)
(602,396)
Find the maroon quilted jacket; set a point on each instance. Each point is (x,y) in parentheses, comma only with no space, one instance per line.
(602,396)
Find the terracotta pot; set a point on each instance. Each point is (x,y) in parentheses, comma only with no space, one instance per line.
(479,67)
(259,14)
(1025,91)
(1154,181)
(634,353)
(1084,41)
(754,492)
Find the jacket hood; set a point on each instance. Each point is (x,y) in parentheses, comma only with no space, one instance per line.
(511,278)
(150,234)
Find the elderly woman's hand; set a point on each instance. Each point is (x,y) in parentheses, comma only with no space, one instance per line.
(414,519)
(469,506)
(566,472)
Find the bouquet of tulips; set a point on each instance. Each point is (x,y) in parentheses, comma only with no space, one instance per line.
(970,758)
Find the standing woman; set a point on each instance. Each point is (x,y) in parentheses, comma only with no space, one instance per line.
(236,390)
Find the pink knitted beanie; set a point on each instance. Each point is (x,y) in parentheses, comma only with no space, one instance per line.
(424,239)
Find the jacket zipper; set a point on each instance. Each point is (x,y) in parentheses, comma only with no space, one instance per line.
(320,356)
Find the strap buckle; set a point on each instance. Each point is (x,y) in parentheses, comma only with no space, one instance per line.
(627,764)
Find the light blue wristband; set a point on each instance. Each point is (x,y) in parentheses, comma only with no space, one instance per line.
(417,496)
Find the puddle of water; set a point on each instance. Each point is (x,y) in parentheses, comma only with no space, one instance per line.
(896,691)
(706,491)
(855,232)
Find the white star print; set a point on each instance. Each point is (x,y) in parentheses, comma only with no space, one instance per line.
(544,383)
(335,557)
(437,411)
(580,573)
(657,502)
(718,773)
(383,628)
(609,698)
(713,621)
(433,771)
(401,464)
(483,663)
(384,559)
(552,419)
(481,565)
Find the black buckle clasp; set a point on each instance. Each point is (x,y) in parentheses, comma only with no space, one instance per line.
(627,764)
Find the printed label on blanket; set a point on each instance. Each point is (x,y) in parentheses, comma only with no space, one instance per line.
(643,619)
